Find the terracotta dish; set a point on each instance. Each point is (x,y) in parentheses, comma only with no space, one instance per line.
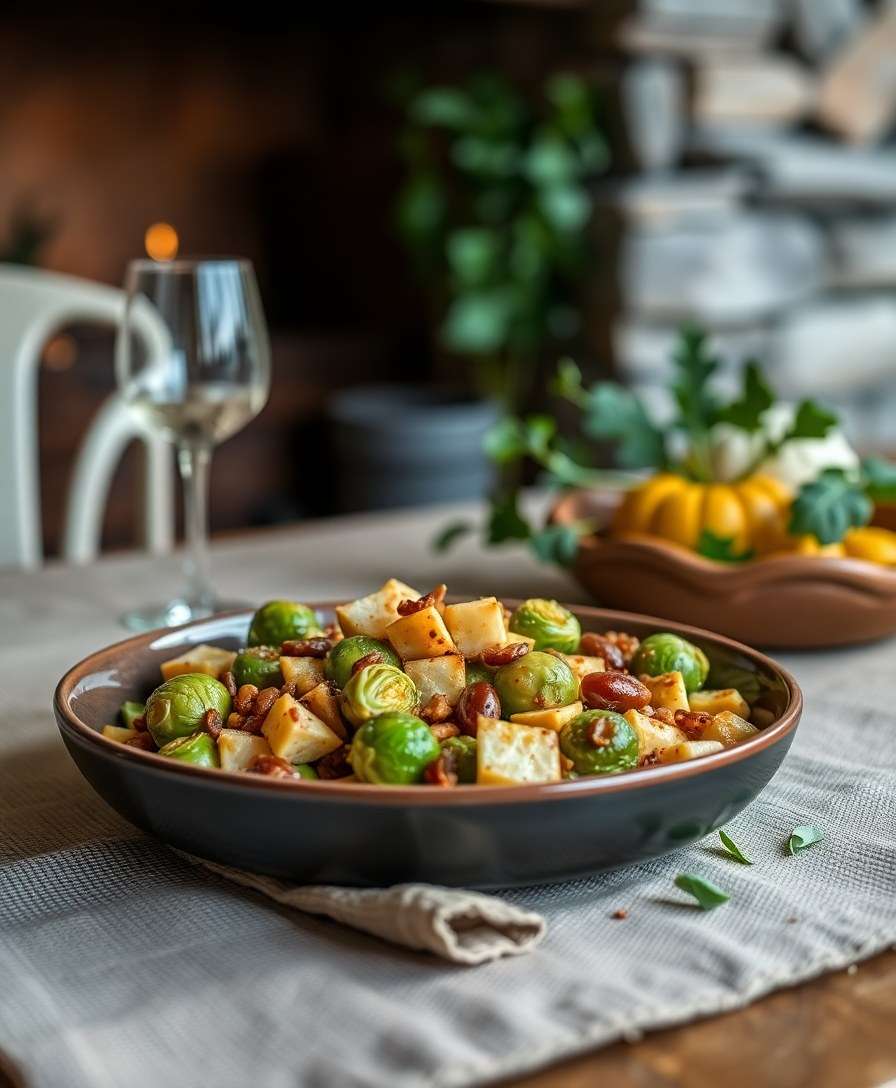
(480,836)
(794,602)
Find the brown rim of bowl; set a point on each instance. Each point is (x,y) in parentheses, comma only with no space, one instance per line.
(463,795)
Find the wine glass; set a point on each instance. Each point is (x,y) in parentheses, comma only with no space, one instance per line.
(193,361)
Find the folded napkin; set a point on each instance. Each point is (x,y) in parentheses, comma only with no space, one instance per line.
(458,925)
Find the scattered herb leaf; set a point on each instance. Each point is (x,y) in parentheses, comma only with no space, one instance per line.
(708,895)
(829,506)
(720,548)
(802,837)
(733,849)
(450,534)
(756,398)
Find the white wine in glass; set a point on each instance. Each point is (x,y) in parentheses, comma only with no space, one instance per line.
(193,362)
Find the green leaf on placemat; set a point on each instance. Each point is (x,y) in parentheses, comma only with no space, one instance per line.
(802,837)
(733,849)
(708,895)
(450,534)
(829,506)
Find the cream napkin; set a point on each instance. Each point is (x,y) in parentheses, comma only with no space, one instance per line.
(458,925)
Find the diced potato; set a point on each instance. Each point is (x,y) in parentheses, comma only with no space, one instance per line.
(211,660)
(714,702)
(422,634)
(305,672)
(237,749)
(476,625)
(508,754)
(581,665)
(548,719)
(512,637)
(689,749)
(729,729)
(445,675)
(119,733)
(297,735)
(653,735)
(371,615)
(323,702)
(667,690)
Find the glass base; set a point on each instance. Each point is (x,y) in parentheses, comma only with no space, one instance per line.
(175,613)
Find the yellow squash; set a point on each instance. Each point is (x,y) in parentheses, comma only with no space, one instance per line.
(747,514)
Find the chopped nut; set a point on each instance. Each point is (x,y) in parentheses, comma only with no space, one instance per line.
(375,658)
(265,699)
(438,709)
(335,764)
(139,723)
(272,767)
(435,597)
(664,714)
(443,730)
(144,741)
(692,722)
(213,723)
(245,698)
(628,644)
(307,647)
(495,656)
(620,913)
(438,774)
(235,721)
(227,679)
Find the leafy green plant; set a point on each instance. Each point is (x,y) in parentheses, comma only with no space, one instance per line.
(826,507)
(493,210)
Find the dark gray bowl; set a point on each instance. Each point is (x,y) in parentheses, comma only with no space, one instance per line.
(478,836)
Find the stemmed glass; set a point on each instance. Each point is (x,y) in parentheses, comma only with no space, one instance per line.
(193,361)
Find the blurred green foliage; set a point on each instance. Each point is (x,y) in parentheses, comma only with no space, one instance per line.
(493,210)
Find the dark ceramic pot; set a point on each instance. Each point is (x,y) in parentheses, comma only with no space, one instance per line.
(405,445)
(475,836)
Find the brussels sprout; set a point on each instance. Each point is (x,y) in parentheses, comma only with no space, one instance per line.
(129,711)
(199,749)
(535,682)
(476,671)
(599,742)
(177,707)
(344,654)
(278,621)
(460,753)
(665,652)
(375,690)
(551,625)
(305,770)
(393,749)
(258,665)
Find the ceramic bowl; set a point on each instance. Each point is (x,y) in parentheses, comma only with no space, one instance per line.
(350,833)
(788,601)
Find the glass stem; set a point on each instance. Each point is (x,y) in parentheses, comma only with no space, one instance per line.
(193,461)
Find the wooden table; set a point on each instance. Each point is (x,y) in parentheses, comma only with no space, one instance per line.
(835,1032)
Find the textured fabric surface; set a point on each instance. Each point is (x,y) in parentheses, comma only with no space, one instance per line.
(121,963)
(458,925)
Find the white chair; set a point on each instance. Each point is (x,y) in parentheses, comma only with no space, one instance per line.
(33,306)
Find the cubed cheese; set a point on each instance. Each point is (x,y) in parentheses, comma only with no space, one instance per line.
(371,615)
(653,735)
(422,634)
(548,719)
(476,625)
(323,702)
(729,729)
(689,749)
(237,749)
(211,660)
(667,690)
(580,664)
(305,672)
(297,735)
(714,702)
(444,675)
(119,733)
(508,754)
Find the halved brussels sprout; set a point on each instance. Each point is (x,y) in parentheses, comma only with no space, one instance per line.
(129,711)
(537,681)
(599,742)
(258,665)
(551,625)
(177,707)
(305,770)
(344,654)
(375,690)
(278,621)
(198,748)
(393,749)
(460,753)
(664,652)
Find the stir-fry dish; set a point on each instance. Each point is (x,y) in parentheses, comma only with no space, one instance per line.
(406,689)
